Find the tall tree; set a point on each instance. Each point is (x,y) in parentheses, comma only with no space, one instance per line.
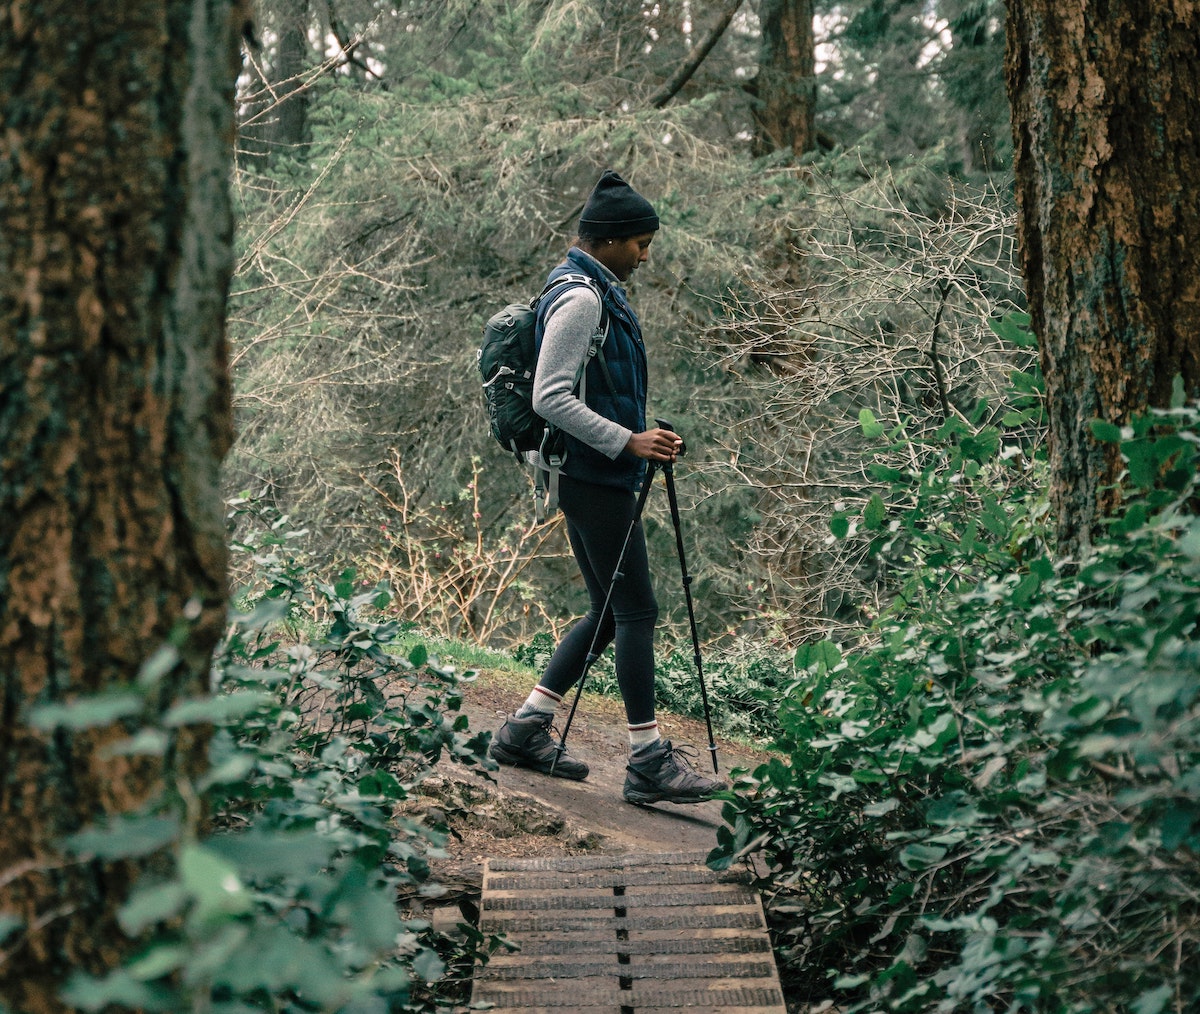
(1105,102)
(115,257)
(292,114)
(785,88)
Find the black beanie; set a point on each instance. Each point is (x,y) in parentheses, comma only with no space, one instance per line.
(615,210)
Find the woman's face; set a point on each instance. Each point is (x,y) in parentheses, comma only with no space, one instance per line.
(622,256)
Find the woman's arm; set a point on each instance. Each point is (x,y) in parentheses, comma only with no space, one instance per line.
(570,323)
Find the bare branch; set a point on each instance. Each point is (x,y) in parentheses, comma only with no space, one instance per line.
(691,63)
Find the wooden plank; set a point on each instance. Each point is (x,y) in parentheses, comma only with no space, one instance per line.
(626,935)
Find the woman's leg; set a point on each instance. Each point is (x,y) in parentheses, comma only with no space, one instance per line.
(598,523)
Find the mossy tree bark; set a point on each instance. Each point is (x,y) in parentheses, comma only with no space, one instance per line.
(1106,103)
(115,258)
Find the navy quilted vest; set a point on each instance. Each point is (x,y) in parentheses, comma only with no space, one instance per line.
(625,355)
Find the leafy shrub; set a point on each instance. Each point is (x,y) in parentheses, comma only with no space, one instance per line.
(283,868)
(994,805)
(743,682)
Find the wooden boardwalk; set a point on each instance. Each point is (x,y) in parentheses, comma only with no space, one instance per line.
(625,934)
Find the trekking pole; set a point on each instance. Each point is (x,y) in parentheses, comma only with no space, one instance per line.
(669,473)
(592,654)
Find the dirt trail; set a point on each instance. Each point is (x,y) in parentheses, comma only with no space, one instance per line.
(523,813)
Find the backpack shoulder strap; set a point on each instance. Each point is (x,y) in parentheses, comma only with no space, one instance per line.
(596,348)
(569,278)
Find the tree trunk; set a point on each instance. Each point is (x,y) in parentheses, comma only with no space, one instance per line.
(115,256)
(1106,102)
(784,88)
(291,114)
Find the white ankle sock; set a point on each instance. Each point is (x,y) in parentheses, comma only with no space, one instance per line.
(540,701)
(641,737)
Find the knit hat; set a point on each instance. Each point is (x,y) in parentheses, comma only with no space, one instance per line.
(615,210)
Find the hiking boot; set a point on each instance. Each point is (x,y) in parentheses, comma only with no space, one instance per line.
(526,743)
(665,774)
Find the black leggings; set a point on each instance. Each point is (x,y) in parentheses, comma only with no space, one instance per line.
(598,519)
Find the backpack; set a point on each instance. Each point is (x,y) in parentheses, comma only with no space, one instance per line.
(507,360)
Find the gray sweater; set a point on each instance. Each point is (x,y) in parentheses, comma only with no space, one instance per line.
(570,323)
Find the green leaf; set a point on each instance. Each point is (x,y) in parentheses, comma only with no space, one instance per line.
(1177,825)
(212,882)
(157,962)
(839,524)
(1178,392)
(885,473)
(9,924)
(968,543)
(344,588)
(119,990)
(88,712)
(994,519)
(874,514)
(1143,462)
(144,743)
(370,912)
(428,966)
(870,426)
(1027,383)
(1106,432)
(921,857)
(952,810)
(125,837)
(1014,328)
(217,710)
(981,446)
(1026,588)
(151,905)
(264,855)
(822,656)
(1154,1001)
(232,769)
(380,783)
(419,655)
(158,665)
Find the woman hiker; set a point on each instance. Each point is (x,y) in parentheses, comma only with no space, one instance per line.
(607,445)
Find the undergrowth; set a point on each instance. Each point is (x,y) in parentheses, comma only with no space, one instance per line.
(993,802)
(284,865)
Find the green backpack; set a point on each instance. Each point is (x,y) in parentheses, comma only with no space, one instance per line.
(507,361)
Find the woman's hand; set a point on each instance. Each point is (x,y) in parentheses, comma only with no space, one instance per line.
(655,445)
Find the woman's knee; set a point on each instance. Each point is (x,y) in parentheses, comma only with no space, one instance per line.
(646,614)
